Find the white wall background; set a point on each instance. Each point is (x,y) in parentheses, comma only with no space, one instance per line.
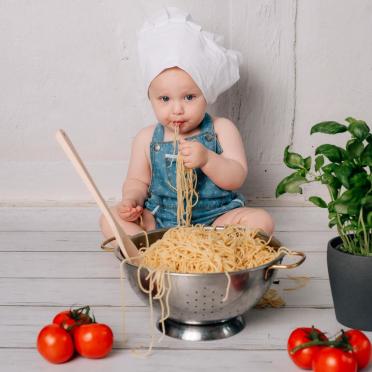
(72,64)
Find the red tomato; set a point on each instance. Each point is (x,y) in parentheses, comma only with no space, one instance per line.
(70,319)
(93,340)
(361,347)
(64,319)
(332,359)
(55,344)
(304,357)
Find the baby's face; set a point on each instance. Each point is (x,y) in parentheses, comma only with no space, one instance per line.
(177,100)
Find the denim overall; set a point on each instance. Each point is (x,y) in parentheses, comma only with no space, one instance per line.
(162,200)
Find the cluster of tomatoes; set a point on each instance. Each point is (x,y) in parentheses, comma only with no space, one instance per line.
(74,330)
(310,348)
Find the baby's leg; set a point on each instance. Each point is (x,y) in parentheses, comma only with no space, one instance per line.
(131,228)
(249,217)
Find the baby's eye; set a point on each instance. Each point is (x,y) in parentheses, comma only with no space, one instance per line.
(189,97)
(164,98)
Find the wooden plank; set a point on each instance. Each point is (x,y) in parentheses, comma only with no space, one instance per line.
(49,219)
(106,265)
(307,241)
(106,292)
(15,360)
(59,241)
(266,329)
(90,241)
(86,219)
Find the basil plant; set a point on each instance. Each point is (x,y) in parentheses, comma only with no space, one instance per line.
(346,172)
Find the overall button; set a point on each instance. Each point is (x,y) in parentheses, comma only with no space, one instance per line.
(157,147)
(209,137)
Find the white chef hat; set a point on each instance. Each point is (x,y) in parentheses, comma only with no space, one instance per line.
(170,38)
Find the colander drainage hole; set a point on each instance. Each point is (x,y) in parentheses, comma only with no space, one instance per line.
(188,302)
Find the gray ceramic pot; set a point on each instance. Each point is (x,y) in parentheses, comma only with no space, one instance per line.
(350,277)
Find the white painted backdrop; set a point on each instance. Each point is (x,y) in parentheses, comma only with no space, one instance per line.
(72,64)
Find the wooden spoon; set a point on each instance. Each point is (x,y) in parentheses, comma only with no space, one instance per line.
(126,245)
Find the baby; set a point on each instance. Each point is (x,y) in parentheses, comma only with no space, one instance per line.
(184,69)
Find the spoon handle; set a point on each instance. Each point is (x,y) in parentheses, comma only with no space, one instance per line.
(125,243)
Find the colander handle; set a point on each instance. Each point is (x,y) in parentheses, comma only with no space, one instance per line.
(288,266)
(104,246)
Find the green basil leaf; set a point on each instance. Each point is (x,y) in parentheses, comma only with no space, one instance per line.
(332,183)
(352,196)
(319,161)
(369,219)
(350,201)
(331,210)
(367,202)
(328,179)
(358,128)
(343,172)
(329,168)
(319,202)
(331,214)
(369,138)
(353,210)
(290,184)
(331,152)
(360,180)
(334,191)
(328,127)
(293,160)
(307,162)
(366,156)
(332,222)
(341,208)
(354,148)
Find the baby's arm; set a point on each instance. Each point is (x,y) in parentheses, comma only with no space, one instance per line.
(229,169)
(135,187)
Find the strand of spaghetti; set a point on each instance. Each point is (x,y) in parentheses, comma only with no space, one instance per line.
(122,302)
(137,352)
(186,180)
(227,287)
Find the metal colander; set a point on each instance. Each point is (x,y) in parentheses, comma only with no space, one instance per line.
(197,299)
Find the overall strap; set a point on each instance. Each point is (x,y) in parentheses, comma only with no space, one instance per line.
(207,124)
(158,135)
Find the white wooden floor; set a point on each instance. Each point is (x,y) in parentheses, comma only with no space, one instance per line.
(50,259)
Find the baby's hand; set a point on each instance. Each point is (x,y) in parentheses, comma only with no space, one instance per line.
(195,155)
(129,210)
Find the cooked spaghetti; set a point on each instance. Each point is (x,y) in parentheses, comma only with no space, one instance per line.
(198,250)
(186,181)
